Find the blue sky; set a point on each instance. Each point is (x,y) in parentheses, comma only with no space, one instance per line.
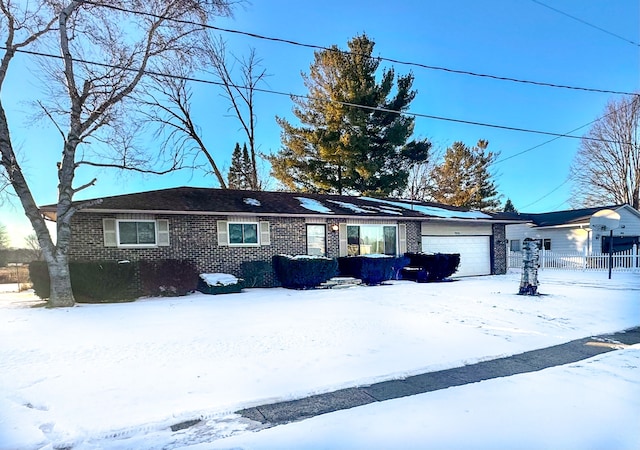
(510,38)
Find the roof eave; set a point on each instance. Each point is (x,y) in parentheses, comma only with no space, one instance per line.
(52,215)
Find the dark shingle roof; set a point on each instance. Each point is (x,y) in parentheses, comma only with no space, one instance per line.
(573,216)
(229,201)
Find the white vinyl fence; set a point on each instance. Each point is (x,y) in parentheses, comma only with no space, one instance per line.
(627,261)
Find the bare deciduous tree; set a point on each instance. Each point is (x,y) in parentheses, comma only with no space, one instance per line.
(241,94)
(106,50)
(169,103)
(606,168)
(33,247)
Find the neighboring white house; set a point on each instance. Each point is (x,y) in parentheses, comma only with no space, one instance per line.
(569,232)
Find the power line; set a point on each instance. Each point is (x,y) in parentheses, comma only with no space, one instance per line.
(305,97)
(628,41)
(391,60)
(501,160)
(558,137)
(547,194)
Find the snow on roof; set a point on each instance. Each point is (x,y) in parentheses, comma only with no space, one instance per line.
(433,210)
(313,205)
(251,201)
(352,207)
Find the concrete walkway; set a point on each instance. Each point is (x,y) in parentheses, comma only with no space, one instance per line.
(285,412)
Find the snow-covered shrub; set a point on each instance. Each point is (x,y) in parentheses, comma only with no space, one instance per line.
(254,272)
(91,281)
(371,269)
(168,277)
(303,271)
(219,283)
(431,267)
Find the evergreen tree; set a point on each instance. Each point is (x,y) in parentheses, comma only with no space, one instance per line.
(463,179)
(241,170)
(508,207)
(343,148)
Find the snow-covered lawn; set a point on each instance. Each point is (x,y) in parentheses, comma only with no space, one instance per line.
(117,376)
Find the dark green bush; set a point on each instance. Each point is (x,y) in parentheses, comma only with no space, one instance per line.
(254,273)
(371,270)
(432,267)
(39,275)
(168,277)
(303,272)
(91,281)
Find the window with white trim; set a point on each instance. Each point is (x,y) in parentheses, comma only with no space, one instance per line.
(372,239)
(137,232)
(243,233)
(514,245)
(316,239)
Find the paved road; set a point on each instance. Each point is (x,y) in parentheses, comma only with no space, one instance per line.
(285,412)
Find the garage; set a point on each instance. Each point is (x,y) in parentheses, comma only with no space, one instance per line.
(475,254)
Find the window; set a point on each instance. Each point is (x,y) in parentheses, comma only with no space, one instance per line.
(136,233)
(243,234)
(316,240)
(514,245)
(544,244)
(371,239)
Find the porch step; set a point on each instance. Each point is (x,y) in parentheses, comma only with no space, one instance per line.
(340,283)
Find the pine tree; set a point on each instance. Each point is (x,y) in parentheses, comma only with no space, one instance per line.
(508,207)
(342,148)
(241,170)
(463,179)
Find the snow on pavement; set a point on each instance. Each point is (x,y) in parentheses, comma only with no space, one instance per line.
(118,375)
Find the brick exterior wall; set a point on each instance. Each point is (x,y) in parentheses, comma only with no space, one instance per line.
(191,237)
(498,249)
(414,238)
(195,238)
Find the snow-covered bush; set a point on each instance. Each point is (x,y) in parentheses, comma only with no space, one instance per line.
(219,283)
(303,271)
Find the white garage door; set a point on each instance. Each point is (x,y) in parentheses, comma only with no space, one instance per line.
(475,257)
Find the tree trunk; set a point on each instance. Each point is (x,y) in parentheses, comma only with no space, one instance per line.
(61,294)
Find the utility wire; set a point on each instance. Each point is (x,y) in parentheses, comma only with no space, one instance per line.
(355,105)
(567,134)
(558,137)
(628,41)
(547,194)
(391,60)
(305,97)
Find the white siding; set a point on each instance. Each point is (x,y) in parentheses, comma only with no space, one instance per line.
(572,239)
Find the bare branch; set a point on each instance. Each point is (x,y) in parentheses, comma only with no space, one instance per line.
(129,168)
(85,186)
(607,170)
(48,114)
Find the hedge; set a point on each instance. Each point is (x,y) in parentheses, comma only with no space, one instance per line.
(431,267)
(91,281)
(168,277)
(372,270)
(303,272)
(255,272)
